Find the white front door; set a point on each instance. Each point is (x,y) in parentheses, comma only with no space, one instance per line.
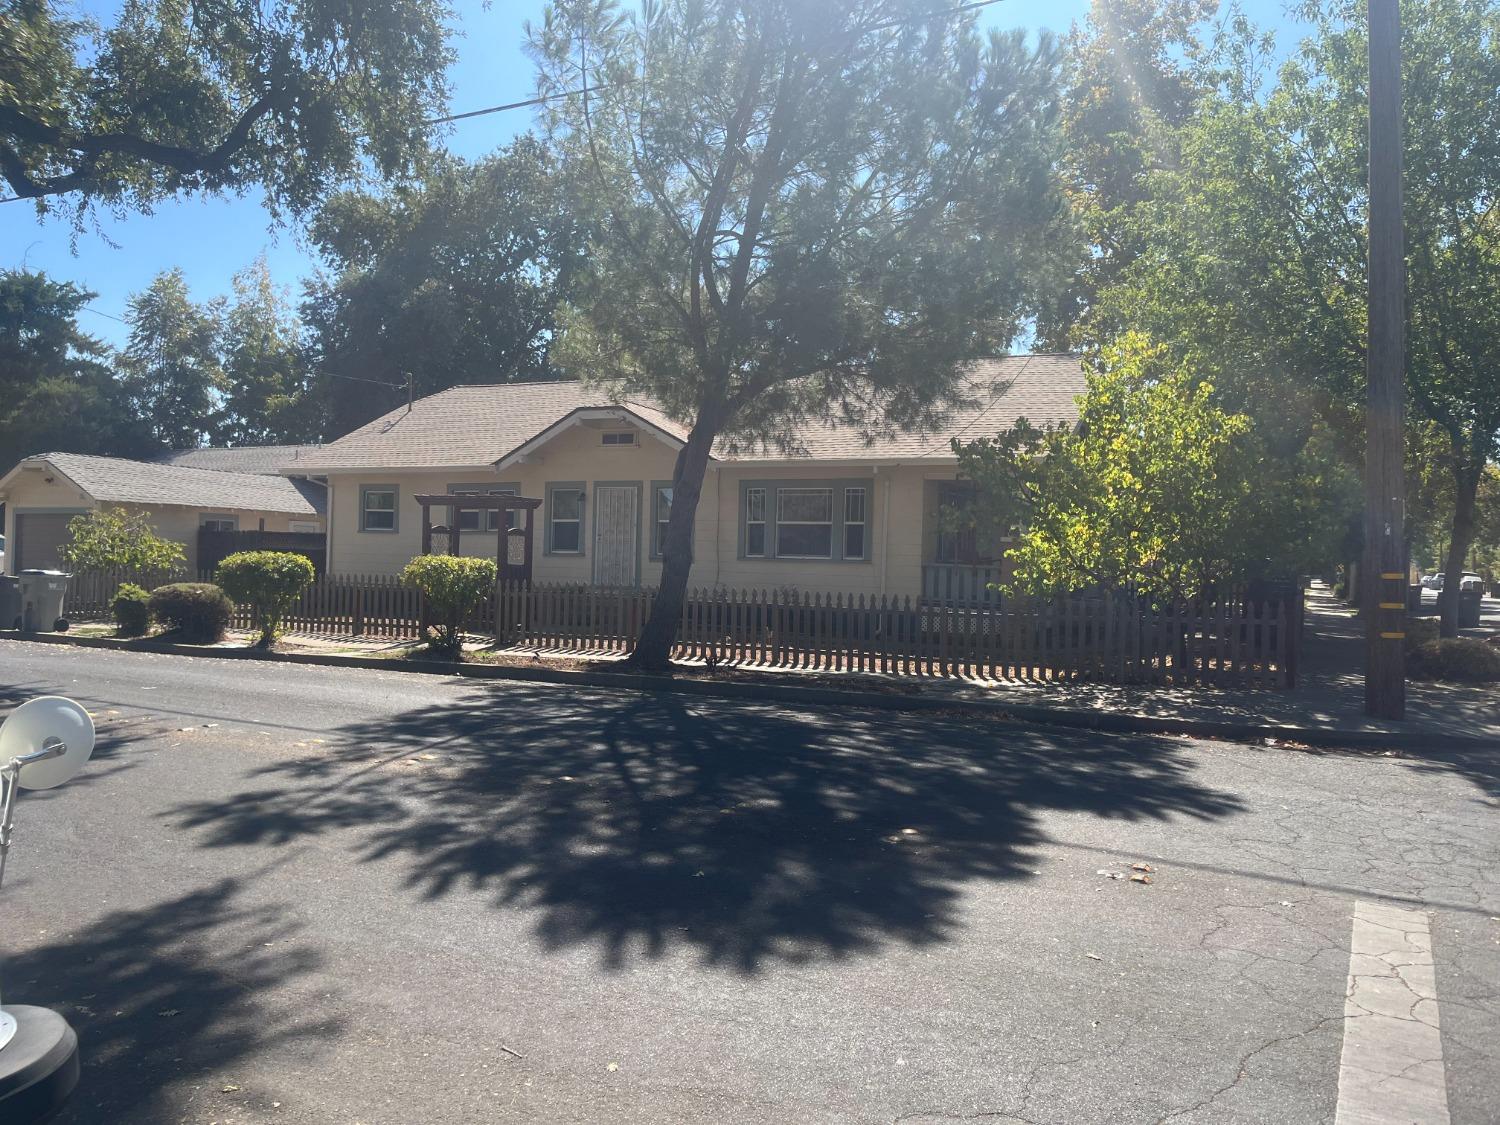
(617,529)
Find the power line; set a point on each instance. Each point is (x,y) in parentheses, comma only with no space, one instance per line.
(960,10)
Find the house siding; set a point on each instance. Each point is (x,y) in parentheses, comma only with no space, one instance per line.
(31,492)
(895,517)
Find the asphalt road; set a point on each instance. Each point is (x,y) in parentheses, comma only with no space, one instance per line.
(290,894)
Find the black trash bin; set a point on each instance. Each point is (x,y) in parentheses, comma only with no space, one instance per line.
(10,602)
(1468,607)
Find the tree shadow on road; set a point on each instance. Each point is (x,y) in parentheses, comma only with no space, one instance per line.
(171,993)
(642,823)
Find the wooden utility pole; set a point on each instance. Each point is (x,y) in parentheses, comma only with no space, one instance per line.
(1383,585)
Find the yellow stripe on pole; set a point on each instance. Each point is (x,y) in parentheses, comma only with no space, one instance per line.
(1392,574)
(1392,605)
(1392,636)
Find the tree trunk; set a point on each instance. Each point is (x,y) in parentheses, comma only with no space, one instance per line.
(1466,488)
(653,649)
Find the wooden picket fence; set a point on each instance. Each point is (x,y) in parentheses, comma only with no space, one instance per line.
(1102,639)
(91,592)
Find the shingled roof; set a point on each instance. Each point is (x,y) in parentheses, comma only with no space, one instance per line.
(476,426)
(264,459)
(117,480)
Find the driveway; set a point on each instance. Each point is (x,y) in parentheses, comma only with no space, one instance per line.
(291,894)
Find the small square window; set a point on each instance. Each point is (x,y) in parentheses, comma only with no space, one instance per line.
(377,509)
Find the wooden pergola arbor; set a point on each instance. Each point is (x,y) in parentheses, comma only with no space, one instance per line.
(457,502)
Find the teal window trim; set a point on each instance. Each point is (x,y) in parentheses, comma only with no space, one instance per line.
(364,509)
(838,531)
(556,486)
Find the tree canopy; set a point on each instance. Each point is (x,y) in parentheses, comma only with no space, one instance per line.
(455,278)
(171,364)
(57,385)
(177,96)
(801,211)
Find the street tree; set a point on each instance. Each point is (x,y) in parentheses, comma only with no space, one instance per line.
(172,97)
(171,362)
(456,278)
(801,212)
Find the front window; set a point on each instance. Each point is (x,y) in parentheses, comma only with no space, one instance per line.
(219,523)
(755,523)
(663,515)
(473,520)
(804,523)
(377,509)
(854,523)
(565,521)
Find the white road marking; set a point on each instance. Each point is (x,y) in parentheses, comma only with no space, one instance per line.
(1391,1072)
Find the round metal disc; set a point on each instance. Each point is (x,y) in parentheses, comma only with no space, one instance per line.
(32,724)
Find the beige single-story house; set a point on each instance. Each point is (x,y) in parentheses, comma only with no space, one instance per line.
(44,492)
(838,513)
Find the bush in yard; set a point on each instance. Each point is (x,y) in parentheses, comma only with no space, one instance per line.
(196,612)
(269,582)
(132,610)
(455,587)
(115,537)
(1465,660)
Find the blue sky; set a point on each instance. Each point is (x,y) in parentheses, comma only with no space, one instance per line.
(213,238)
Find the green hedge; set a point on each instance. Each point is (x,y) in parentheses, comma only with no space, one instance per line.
(132,610)
(1464,660)
(195,612)
(455,588)
(269,582)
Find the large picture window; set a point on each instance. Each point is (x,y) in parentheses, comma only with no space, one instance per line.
(565,519)
(804,523)
(805,520)
(377,508)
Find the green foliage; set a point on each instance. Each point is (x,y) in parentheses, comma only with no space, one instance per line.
(456,279)
(269,582)
(132,610)
(266,394)
(1253,265)
(118,537)
(171,363)
(176,97)
(1466,660)
(57,392)
(196,613)
(455,587)
(1157,491)
(801,212)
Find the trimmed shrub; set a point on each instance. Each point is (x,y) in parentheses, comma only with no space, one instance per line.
(1420,630)
(1463,660)
(269,582)
(132,610)
(196,612)
(455,588)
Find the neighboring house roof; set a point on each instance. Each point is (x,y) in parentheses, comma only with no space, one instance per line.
(117,480)
(265,459)
(478,426)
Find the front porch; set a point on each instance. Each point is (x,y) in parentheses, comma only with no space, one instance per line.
(961,566)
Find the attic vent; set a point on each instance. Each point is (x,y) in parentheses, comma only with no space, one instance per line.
(620,437)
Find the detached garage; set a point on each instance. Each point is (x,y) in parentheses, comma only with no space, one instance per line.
(43,493)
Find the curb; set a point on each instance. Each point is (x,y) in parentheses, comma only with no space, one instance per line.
(1107,722)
